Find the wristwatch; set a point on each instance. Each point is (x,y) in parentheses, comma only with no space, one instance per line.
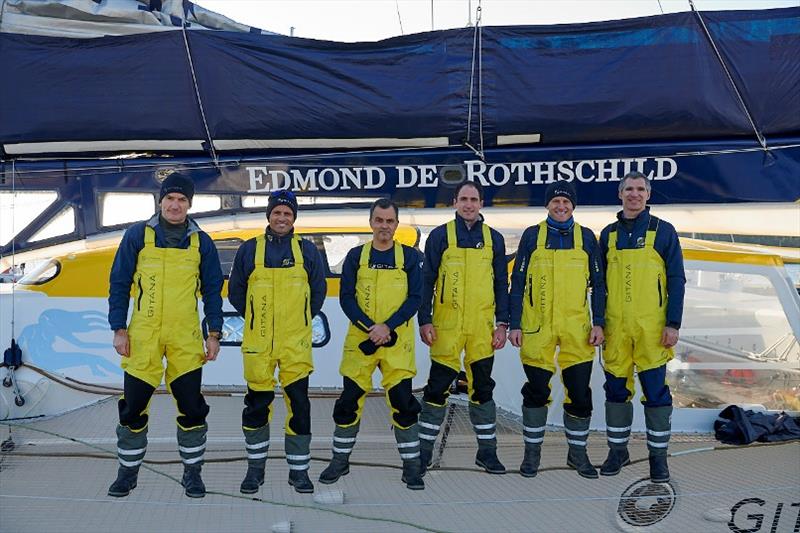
(215,334)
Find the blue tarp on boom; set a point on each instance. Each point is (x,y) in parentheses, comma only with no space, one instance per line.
(645,79)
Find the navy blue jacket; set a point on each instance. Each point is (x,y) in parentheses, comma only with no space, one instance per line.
(412,265)
(668,247)
(558,240)
(124,268)
(278,255)
(467,238)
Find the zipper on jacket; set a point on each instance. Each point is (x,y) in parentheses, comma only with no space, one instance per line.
(441,295)
(305,311)
(141,293)
(252,313)
(660,296)
(196,291)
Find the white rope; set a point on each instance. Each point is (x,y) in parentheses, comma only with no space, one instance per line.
(476,63)
(197,94)
(761,140)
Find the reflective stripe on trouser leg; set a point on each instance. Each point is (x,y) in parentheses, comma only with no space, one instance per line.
(619,417)
(408,442)
(192,444)
(298,453)
(577,432)
(430,421)
(534,421)
(131,446)
(658,421)
(483,417)
(256,442)
(344,438)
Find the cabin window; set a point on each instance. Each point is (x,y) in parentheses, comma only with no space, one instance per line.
(736,343)
(253,200)
(227,248)
(202,203)
(337,245)
(41,272)
(62,224)
(233,329)
(26,207)
(124,207)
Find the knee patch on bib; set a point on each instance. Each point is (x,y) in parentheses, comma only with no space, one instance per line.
(576,380)
(300,421)
(482,382)
(345,410)
(439,381)
(403,402)
(536,391)
(192,407)
(256,408)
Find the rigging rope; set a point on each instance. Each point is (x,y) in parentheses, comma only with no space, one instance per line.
(761,140)
(476,63)
(197,94)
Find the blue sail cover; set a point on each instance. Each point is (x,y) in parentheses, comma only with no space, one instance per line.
(646,79)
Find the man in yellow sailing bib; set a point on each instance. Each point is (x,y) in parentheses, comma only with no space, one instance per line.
(381,289)
(165,262)
(464,309)
(646,281)
(278,285)
(557,263)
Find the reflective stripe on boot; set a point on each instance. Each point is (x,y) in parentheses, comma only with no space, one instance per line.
(658,421)
(534,421)
(192,445)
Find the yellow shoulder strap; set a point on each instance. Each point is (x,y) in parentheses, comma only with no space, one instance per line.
(261,248)
(577,236)
(399,258)
(194,241)
(541,239)
(487,237)
(149,236)
(451,234)
(612,239)
(296,251)
(650,236)
(365,250)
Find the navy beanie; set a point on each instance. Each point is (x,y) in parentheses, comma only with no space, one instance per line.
(282,197)
(179,183)
(561,188)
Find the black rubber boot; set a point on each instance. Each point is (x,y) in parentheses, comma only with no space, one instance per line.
(253,479)
(579,460)
(412,475)
(659,471)
(338,467)
(300,481)
(487,459)
(192,481)
(425,458)
(617,458)
(530,463)
(125,482)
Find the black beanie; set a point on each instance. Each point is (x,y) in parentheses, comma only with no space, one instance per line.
(561,188)
(177,182)
(282,197)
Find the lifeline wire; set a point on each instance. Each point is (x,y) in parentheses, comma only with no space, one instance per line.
(278,160)
(197,93)
(761,140)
